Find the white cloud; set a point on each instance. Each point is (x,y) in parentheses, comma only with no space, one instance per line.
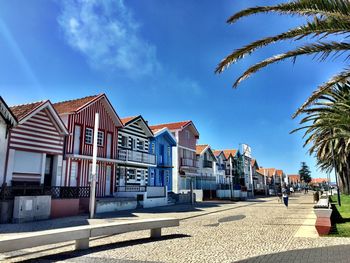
(105,32)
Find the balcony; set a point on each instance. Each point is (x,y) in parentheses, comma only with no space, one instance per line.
(137,157)
(207,164)
(189,162)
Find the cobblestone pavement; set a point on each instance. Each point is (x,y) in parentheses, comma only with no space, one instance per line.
(261,230)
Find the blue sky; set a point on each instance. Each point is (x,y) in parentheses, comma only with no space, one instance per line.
(157,58)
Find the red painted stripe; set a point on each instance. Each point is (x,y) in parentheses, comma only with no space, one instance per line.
(25,132)
(53,142)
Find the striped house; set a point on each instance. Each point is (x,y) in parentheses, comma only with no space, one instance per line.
(7,121)
(79,117)
(35,146)
(133,152)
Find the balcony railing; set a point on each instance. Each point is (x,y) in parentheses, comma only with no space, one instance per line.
(207,164)
(138,157)
(189,162)
(131,188)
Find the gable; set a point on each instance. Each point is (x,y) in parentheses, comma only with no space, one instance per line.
(39,132)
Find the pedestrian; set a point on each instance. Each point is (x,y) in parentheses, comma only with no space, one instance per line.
(285,195)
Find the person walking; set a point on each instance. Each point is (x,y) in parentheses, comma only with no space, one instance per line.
(285,194)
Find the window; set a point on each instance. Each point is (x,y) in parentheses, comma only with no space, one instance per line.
(133,146)
(88,135)
(153,148)
(141,145)
(90,172)
(169,152)
(187,134)
(124,141)
(132,174)
(100,138)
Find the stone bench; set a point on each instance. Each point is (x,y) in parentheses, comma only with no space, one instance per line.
(323,216)
(81,234)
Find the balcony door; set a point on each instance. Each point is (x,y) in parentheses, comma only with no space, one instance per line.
(77,138)
(108,179)
(122,175)
(109,145)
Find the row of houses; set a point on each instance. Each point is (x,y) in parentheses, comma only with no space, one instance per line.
(50,144)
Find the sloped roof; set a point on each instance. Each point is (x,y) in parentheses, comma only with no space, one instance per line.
(76,105)
(267,171)
(279,172)
(165,131)
(175,126)
(6,113)
(127,119)
(294,177)
(70,106)
(229,152)
(23,110)
(217,152)
(200,148)
(318,180)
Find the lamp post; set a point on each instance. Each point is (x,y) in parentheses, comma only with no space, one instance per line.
(93,172)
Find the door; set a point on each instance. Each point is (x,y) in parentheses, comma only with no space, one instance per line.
(161,154)
(77,135)
(121,176)
(109,145)
(73,181)
(108,179)
(48,170)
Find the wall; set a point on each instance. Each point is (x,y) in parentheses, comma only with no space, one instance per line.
(3,149)
(153,202)
(64,207)
(223,194)
(185,141)
(111,205)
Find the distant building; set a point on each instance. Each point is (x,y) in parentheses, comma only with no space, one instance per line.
(294,179)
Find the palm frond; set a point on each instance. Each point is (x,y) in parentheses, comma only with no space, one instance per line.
(317,27)
(341,78)
(325,49)
(335,8)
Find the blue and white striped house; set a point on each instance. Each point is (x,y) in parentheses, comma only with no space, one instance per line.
(161,145)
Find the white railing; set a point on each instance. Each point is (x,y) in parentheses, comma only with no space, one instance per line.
(139,157)
(189,162)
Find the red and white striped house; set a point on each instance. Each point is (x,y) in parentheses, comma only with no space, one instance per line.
(35,145)
(79,116)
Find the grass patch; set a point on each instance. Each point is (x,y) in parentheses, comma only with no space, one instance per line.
(340,216)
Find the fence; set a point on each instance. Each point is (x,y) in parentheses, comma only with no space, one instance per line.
(156,191)
(56,192)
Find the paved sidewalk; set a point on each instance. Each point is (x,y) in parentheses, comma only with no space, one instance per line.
(261,230)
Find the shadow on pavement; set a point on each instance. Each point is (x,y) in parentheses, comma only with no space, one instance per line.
(322,254)
(71,255)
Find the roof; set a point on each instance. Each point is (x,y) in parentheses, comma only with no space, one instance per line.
(21,111)
(165,131)
(200,148)
(175,126)
(267,171)
(76,105)
(227,153)
(293,177)
(127,119)
(279,172)
(26,111)
(318,180)
(217,152)
(7,114)
(70,106)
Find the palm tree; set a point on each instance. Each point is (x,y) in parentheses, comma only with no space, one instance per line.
(327,130)
(326,18)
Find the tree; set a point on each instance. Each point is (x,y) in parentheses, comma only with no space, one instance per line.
(327,130)
(327,18)
(305,173)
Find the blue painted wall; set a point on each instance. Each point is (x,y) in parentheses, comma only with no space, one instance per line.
(161,145)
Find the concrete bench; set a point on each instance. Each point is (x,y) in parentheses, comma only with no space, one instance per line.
(81,234)
(323,216)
